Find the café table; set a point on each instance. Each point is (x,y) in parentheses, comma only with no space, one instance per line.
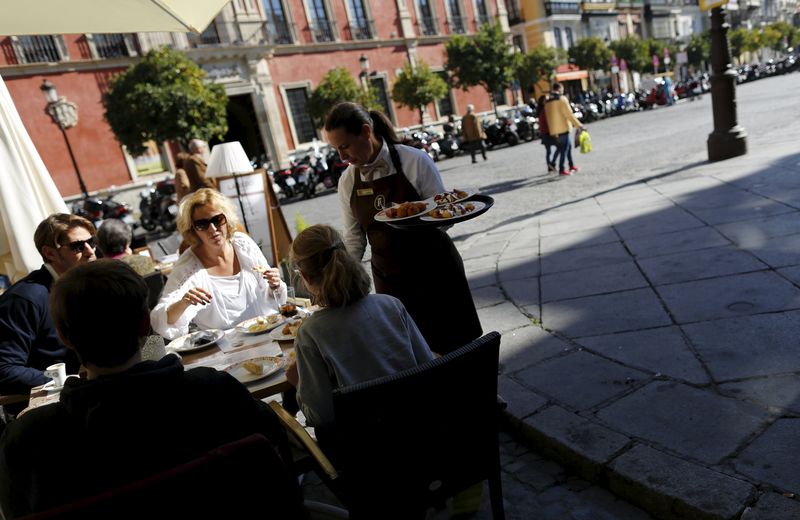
(233,348)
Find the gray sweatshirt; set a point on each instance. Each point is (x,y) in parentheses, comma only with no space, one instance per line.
(336,347)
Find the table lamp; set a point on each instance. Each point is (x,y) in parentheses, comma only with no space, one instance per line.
(229,159)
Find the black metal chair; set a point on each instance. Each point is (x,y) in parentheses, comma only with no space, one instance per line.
(409,441)
(242,479)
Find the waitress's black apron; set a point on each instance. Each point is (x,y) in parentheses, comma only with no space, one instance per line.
(421,267)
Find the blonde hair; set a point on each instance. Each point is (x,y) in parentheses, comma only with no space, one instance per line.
(202,197)
(338,279)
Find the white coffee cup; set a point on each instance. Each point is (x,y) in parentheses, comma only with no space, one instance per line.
(58,373)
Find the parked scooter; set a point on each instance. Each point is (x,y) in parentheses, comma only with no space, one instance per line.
(98,208)
(159,206)
(501,131)
(451,142)
(336,167)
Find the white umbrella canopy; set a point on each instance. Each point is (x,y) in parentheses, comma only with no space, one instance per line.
(22,17)
(27,193)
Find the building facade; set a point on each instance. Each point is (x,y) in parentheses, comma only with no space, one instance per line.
(268,55)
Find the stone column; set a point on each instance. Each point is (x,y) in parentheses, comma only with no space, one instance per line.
(268,113)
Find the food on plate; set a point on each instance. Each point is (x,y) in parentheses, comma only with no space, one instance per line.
(406,209)
(290,329)
(288,309)
(450,196)
(202,338)
(262,323)
(452,210)
(254,368)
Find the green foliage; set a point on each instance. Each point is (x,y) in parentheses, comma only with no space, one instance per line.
(536,65)
(788,32)
(337,86)
(771,38)
(632,50)
(656,47)
(698,48)
(485,59)
(590,54)
(417,87)
(164,97)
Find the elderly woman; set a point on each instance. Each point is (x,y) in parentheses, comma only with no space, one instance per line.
(114,240)
(222,279)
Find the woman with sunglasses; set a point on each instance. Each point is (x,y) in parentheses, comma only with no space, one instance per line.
(222,279)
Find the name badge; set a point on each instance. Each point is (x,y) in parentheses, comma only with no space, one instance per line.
(366,192)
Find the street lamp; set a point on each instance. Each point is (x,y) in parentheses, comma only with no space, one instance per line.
(364,62)
(728,138)
(65,115)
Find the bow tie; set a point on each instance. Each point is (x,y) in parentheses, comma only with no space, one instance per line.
(379,168)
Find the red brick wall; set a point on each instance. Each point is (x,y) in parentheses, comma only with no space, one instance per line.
(97,152)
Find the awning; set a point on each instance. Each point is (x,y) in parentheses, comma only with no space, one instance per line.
(572,75)
(107,16)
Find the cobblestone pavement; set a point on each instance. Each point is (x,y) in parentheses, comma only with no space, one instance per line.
(533,488)
(650,308)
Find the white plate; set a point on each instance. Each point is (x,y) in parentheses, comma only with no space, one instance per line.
(469,191)
(278,335)
(270,366)
(477,207)
(187,342)
(50,386)
(273,321)
(381,215)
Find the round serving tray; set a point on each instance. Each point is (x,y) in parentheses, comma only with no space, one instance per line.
(413,223)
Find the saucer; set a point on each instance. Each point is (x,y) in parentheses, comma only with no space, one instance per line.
(50,386)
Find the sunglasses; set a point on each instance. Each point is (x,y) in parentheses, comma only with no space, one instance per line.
(202,224)
(78,245)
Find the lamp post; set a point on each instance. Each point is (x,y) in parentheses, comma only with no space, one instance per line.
(728,138)
(364,62)
(65,115)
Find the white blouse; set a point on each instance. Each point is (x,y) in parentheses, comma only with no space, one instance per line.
(234,298)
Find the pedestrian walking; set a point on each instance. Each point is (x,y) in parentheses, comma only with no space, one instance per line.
(473,133)
(550,144)
(559,118)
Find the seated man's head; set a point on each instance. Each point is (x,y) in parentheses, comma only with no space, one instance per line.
(100,311)
(556,88)
(65,241)
(114,238)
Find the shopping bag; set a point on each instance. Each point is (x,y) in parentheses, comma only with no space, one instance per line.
(585,142)
(578,132)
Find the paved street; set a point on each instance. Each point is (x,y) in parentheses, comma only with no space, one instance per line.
(649,308)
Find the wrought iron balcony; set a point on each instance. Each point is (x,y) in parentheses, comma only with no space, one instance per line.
(279,31)
(362,29)
(428,25)
(322,31)
(552,8)
(457,24)
(37,49)
(110,45)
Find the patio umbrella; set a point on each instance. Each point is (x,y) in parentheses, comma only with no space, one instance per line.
(27,193)
(106,16)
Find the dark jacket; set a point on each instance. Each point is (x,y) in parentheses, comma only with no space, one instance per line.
(120,428)
(28,339)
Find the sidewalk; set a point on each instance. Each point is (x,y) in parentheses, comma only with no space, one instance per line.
(650,335)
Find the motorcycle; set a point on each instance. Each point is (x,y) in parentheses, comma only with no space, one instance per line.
(450,144)
(159,206)
(501,131)
(97,208)
(527,125)
(336,167)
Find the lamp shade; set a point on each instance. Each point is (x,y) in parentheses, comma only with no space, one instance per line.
(228,159)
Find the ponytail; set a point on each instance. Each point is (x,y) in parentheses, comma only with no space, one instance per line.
(383,127)
(337,278)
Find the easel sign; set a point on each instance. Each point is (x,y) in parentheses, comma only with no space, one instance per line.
(259,211)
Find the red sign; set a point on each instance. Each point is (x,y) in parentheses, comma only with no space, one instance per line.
(656,62)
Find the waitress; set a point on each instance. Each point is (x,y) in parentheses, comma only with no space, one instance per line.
(421,267)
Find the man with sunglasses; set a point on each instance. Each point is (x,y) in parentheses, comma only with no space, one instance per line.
(29,342)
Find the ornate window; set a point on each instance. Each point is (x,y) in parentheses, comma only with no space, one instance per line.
(321,26)
(458,24)
(557,37)
(303,125)
(38,49)
(361,27)
(278,24)
(482,12)
(427,18)
(570,39)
